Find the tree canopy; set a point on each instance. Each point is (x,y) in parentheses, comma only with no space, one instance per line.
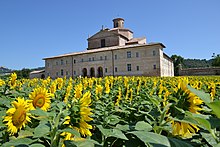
(216,61)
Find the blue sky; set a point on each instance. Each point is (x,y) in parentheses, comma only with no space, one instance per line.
(33,29)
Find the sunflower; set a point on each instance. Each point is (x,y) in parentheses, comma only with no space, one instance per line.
(131,94)
(53,87)
(85,113)
(68,92)
(81,124)
(184,129)
(212,89)
(119,97)
(40,98)
(60,83)
(69,136)
(107,88)
(187,101)
(12,80)
(2,82)
(98,90)
(17,116)
(78,90)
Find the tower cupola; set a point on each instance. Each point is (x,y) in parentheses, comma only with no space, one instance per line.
(118,23)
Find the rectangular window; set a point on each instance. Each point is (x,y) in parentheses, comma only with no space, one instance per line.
(154,53)
(66,62)
(74,72)
(74,61)
(93,59)
(67,73)
(100,57)
(106,70)
(102,42)
(61,72)
(61,61)
(116,57)
(116,69)
(138,68)
(129,67)
(129,54)
(57,74)
(89,59)
(137,54)
(105,57)
(56,63)
(82,60)
(155,66)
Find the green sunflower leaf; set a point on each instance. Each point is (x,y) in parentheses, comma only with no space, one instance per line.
(72,131)
(152,138)
(105,132)
(83,143)
(118,134)
(178,143)
(112,133)
(19,142)
(215,106)
(143,126)
(112,119)
(24,133)
(200,120)
(209,138)
(41,130)
(122,127)
(39,112)
(201,94)
(37,145)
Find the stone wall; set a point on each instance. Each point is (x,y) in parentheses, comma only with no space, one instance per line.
(199,71)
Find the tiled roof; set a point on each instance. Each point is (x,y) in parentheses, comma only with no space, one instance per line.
(120,29)
(37,71)
(103,49)
(136,39)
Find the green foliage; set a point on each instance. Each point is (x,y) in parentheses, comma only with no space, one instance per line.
(24,73)
(143,116)
(177,60)
(216,61)
(196,63)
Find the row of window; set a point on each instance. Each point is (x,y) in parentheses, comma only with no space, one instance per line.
(106,70)
(129,55)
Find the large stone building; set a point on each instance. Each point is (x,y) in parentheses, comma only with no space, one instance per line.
(112,52)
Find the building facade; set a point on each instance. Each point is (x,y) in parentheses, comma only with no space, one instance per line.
(112,52)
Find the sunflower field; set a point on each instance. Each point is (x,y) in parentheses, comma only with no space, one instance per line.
(110,111)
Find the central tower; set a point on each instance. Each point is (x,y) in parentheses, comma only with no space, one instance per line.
(118,23)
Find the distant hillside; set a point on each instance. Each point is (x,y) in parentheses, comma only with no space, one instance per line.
(196,63)
(4,70)
(23,73)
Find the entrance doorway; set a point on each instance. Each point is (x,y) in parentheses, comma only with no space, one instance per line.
(84,71)
(100,72)
(92,72)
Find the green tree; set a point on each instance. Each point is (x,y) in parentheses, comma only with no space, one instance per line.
(177,60)
(24,73)
(216,60)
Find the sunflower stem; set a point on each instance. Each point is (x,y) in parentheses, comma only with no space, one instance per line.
(55,136)
(214,136)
